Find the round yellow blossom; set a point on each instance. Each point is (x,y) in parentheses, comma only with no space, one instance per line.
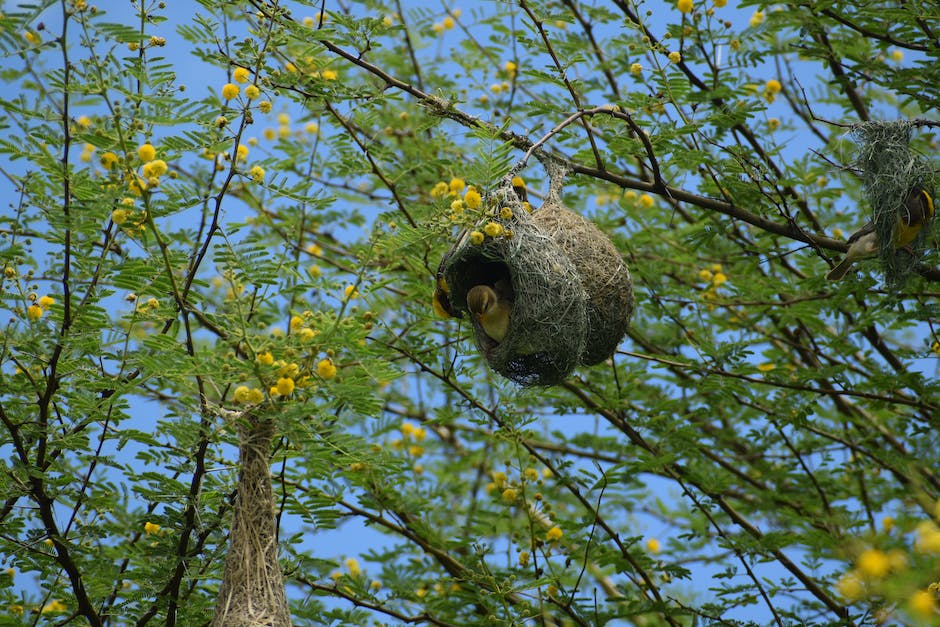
(108,160)
(265,358)
(240,395)
(493,229)
(510,495)
(873,564)
(524,558)
(151,528)
(636,69)
(554,534)
(531,474)
(766,367)
(329,75)
(32,37)
(499,478)
(887,524)
(685,6)
(646,201)
(34,312)
(897,55)
(757,18)
(257,174)
(505,213)
(773,86)
(922,605)
(472,198)
(456,186)
(719,278)
(850,587)
(54,607)
(155,168)
(439,190)
(350,292)
(511,68)
(326,368)
(652,545)
(705,275)
(265,106)
(284,386)
(255,396)
(675,56)
(230,90)
(146,152)
(448,23)
(241,153)
(240,75)
(46,301)
(120,216)
(252,92)
(476,237)
(720,3)
(312,128)
(353,566)
(928,537)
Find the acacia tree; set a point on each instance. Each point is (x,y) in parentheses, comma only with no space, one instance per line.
(184,263)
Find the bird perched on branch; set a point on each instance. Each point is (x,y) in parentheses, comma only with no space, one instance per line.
(915,213)
(491,306)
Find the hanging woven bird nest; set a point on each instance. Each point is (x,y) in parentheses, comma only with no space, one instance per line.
(252,593)
(569,290)
(891,170)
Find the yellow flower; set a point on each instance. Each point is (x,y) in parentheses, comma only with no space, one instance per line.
(257,174)
(353,565)
(155,168)
(241,153)
(505,213)
(284,385)
(720,3)
(255,396)
(511,68)
(439,190)
(922,605)
(897,55)
(554,534)
(675,56)
(773,86)
(476,237)
(524,558)
(448,23)
(510,495)
(146,152)
(32,37)
(850,587)
(887,523)
(34,312)
(240,395)
(265,358)
(350,292)
(54,606)
(652,545)
(240,75)
(265,106)
(928,537)
(230,90)
(456,186)
(531,474)
(636,69)
(766,367)
(46,301)
(756,19)
(705,275)
(472,198)
(151,528)
(108,160)
(312,127)
(83,121)
(329,75)
(646,201)
(326,368)
(120,216)
(685,6)
(873,564)
(719,278)
(773,124)
(493,229)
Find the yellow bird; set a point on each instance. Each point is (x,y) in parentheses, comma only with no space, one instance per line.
(917,211)
(491,308)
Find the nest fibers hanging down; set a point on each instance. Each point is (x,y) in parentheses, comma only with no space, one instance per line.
(890,171)
(570,290)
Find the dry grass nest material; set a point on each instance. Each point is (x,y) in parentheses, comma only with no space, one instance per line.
(571,292)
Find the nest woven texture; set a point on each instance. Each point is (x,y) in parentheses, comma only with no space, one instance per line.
(890,170)
(571,292)
(252,592)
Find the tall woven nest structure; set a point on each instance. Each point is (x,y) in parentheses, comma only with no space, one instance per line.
(890,170)
(572,296)
(252,592)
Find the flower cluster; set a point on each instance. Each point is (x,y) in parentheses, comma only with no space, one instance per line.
(713,277)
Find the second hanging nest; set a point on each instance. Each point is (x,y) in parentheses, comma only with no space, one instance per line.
(569,289)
